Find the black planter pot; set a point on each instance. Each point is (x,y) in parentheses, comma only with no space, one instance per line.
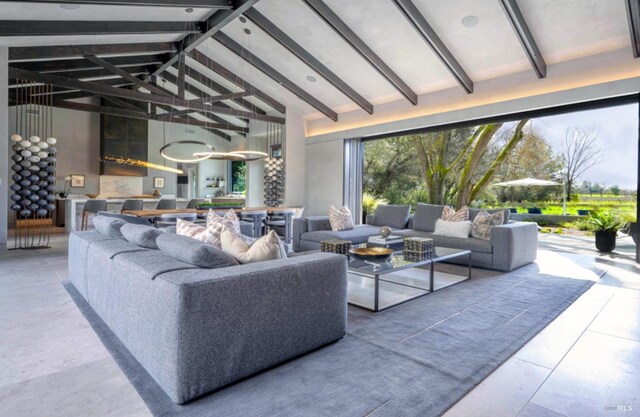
(605,241)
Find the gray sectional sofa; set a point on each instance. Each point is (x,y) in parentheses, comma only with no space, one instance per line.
(195,330)
(511,246)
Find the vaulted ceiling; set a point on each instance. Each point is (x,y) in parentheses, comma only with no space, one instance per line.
(221,63)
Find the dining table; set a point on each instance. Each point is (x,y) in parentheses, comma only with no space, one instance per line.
(256,215)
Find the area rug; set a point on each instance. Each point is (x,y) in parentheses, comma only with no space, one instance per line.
(416,359)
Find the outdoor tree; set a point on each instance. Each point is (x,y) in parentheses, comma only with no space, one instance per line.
(615,190)
(390,170)
(579,153)
(467,157)
(532,157)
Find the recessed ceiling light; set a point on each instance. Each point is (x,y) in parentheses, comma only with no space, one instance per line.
(470,21)
(247,31)
(189,10)
(69,6)
(243,19)
(311,78)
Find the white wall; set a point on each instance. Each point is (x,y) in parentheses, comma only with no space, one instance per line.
(4,146)
(295,158)
(323,179)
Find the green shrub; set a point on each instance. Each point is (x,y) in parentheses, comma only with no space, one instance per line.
(370,202)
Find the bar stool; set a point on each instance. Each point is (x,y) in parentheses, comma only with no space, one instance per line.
(132,205)
(281,221)
(256,217)
(91,207)
(166,204)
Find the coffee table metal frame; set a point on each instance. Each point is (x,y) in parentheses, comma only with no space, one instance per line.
(375,271)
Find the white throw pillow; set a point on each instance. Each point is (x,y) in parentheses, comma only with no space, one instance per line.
(267,248)
(459,229)
(216,223)
(340,219)
(195,231)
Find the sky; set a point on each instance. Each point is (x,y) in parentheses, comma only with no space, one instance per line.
(617,129)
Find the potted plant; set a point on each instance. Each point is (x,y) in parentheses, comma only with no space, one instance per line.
(606,225)
(64,192)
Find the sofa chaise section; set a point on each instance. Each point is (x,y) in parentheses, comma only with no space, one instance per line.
(196,330)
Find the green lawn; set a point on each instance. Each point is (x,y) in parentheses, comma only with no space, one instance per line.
(624,209)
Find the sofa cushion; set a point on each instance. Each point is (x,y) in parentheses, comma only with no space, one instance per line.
(473,244)
(144,236)
(460,229)
(315,223)
(340,218)
(473,212)
(108,226)
(470,243)
(266,248)
(425,217)
(194,252)
(358,234)
(484,222)
(391,215)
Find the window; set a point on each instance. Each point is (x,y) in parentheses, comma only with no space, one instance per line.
(238,176)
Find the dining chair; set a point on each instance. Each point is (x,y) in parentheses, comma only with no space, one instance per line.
(166,204)
(132,205)
(91,207)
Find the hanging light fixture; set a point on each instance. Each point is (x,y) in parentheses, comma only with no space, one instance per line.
(208,149)
(250,152)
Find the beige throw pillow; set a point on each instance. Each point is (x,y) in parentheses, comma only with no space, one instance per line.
(449,214)
(482,224)
(267,248)
(215,224)
(340,219)
(195,231)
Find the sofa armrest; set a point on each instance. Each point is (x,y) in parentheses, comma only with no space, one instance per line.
(369,219)
(514,245)
(300,226)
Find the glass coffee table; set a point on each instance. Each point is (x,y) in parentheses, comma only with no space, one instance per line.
(377,286)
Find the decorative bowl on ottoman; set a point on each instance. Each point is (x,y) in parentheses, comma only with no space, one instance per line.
(372,254)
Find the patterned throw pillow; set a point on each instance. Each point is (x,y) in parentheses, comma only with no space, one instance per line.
(216,223)
(482,224)
(267,248)
(449,214)
(340,219)
(195,231)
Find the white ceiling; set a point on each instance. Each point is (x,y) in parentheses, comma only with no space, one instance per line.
(564,30)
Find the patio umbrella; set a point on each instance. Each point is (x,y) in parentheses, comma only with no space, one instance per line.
(527,182)
(532,182)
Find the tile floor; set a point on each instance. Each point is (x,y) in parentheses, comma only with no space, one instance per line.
(585,363)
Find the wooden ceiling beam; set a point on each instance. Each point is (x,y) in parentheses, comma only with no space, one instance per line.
(92,28)
(134,95)
(43,53)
